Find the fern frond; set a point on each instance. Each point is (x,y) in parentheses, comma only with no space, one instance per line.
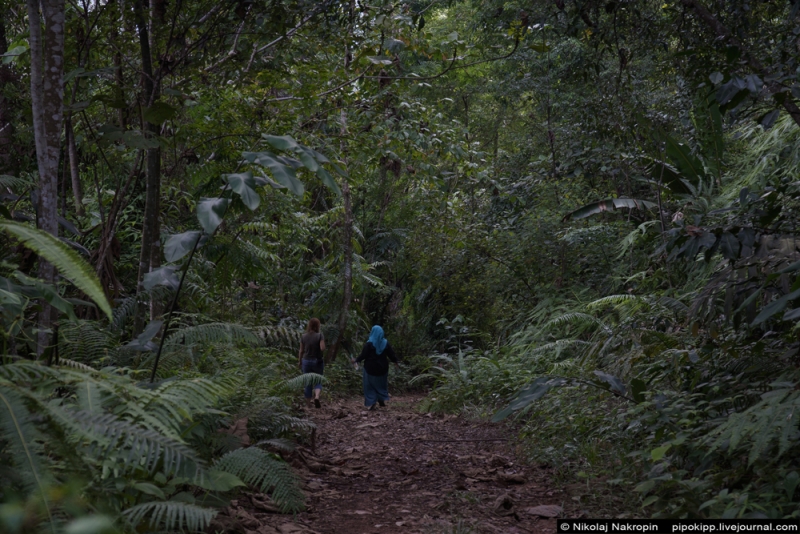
(66,260)
(558,346)
(278,443)
(614,300)
(768,425)
(24,443)
(131,445)
(75,365)
(280,335)
(576,317)
(14,182)
(306,379)
(257,468)
(260,253)
(170,515)
(124,310)
(231,333)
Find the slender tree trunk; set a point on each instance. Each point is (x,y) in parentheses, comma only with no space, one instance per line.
(74,171)
(6,127)
(47,96)
(347,242)
(151,244)
(347,231)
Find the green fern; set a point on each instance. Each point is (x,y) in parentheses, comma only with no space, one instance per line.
(280,336)
(231,333)
(133,446)
(615,300)
(577,317)
(85,341)
(24,443)
(66,260)
(14,182)
(773,421)
(170,515)
(557,346)
(257,468)
(306,379)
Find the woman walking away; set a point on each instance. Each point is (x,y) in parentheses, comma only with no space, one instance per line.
(311,346)
(376,367)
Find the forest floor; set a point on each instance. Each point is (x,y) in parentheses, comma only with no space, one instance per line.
(396,470)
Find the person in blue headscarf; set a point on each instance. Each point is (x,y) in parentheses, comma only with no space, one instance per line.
(375,355)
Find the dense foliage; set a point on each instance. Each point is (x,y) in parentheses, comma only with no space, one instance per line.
(576,216)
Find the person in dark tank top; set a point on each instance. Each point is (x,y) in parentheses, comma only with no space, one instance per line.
(312,344)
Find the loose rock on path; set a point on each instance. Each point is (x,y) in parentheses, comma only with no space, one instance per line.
(396,470)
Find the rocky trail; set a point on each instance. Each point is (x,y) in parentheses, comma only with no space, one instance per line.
(396,470)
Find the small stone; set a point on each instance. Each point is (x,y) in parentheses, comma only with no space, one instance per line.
(545,510)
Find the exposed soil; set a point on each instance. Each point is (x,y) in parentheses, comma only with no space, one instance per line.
(396,470)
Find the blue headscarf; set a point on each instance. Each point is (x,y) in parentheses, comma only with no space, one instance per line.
(377,339)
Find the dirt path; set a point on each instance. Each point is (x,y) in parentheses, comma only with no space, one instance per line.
(396,470)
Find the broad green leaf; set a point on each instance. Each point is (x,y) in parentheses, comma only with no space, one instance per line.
(326,178)
(650,500)
(149,489)
(792,315)
(13,54)
(610,204)
(179,245)
(158,113)
(281,142)
(263,180)
(669,177)
(48,293)
(729,246)
(144,341)
(768,119)
(283,173)
(394,45)
(244,185)
(216,480)
(162,276)
(210,212)
(686,162)
(69,264)
(775,306)
(638,387)
(135,139)
(615,383)
(529,394)
(659,452)
(307,157)
(91,524)
(379,60)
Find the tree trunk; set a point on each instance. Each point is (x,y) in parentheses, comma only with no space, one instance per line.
(347,242)
(74,171)
(6,127)
(151,239)
(47,96)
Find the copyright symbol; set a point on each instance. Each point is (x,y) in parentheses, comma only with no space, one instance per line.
(564,526)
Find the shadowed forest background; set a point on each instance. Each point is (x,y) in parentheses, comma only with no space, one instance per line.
(578,217)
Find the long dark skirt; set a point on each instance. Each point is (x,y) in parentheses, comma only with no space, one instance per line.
(375,388)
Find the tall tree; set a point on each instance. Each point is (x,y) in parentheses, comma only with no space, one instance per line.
(150,254)
(47,96)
